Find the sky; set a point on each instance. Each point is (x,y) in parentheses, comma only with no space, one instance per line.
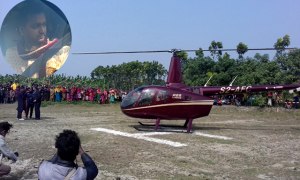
(135,25)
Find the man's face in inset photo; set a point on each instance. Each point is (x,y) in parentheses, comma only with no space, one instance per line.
(34,30)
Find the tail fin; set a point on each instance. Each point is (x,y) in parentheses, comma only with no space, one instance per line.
(175,77)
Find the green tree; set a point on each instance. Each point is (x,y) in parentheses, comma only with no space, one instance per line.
(215,49)
(241,49)
(282,43)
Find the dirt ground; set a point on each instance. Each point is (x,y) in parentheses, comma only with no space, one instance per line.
(265,143)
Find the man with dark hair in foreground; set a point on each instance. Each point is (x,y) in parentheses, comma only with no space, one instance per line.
(5,151)
(62,165)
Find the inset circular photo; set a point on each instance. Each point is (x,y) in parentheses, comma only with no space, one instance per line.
(35,38)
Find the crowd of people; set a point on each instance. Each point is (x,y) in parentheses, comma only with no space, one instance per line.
(31,97)
(9,92)
(59,93)
(241,100)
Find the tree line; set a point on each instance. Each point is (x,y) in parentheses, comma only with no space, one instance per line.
(284,68)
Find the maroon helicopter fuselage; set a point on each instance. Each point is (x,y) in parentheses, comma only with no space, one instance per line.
(166,103)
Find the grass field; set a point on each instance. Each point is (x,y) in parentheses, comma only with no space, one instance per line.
(265,143)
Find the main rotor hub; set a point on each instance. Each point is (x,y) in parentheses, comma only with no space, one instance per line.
(174,51)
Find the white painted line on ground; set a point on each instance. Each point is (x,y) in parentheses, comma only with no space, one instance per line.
(153,133)
(140,136)
(212,136)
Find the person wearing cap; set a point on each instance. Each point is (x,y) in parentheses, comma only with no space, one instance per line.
(21,99)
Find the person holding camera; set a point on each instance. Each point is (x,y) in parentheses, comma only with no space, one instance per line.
(5,151)
(62,165)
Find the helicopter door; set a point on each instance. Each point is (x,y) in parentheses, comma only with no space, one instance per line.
(160,102)
(146,100)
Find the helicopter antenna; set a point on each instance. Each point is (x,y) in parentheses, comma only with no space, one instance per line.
(233,81)
(207,81)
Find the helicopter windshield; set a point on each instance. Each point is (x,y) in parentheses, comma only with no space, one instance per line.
(132,98)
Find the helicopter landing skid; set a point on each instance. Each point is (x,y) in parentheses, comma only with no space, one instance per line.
(161,130)
(161,125)
(188,124)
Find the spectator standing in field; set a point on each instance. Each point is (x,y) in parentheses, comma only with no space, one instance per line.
(72,92)
(21,105)
(79,93)
(112,95)
(105,96)
(57,91)
(12,95)
(52,94)
(37,103)
(63,92)
(1,94)
(5,151)
(99,95)
(6,95)
(62,165)
(68,94)
(124,96)
(296,100)
(29,97)
(14,85)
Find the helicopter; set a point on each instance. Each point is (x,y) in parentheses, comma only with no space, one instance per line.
(176,101)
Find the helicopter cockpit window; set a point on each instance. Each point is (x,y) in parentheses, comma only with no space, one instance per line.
(147,97)
(161,96)
(132,98)
(197,91)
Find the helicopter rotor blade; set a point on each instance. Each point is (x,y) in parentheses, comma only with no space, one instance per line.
(177,50)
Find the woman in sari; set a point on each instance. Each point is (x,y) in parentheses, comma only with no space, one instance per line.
(68,93)
(83,94)
(75,93)
(71,94)
(116,95)
(104,96)
(78,94)
(112,95)
(99,95)
(63,91)
(87,94)
(57,91)
(91,92)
